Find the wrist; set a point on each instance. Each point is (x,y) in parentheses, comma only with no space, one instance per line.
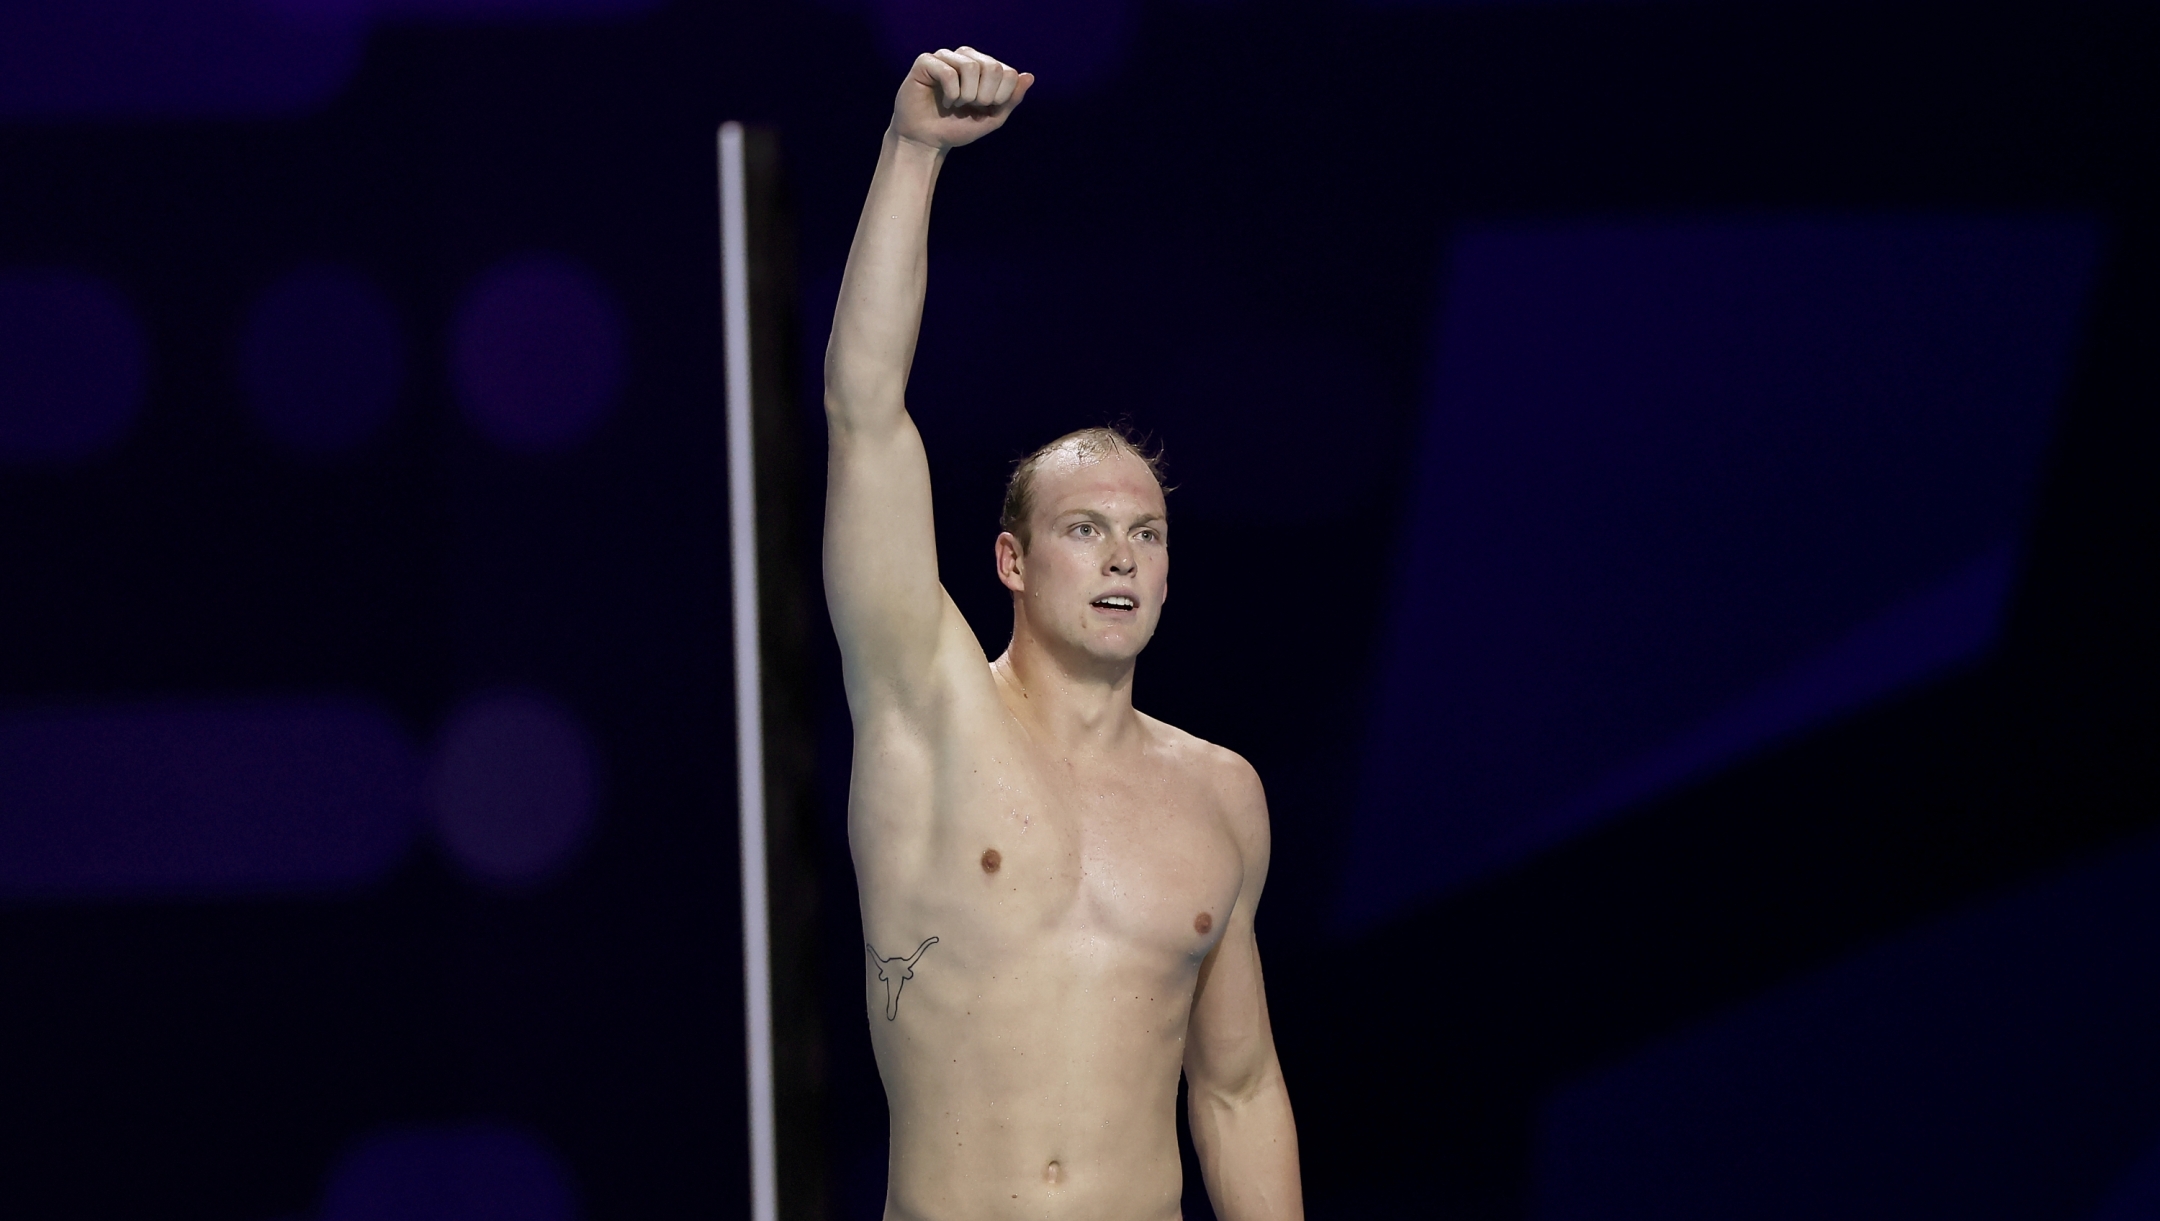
(914,147)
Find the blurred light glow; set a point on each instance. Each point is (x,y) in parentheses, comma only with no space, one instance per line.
(198,798)
(508,10)
(169,58)
(512,786)
(322,359)
(64,59)
(1665,464)
(450,1172)
(73,363)
(538,353)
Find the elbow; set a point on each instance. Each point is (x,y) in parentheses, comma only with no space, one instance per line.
(843,418)
(841,393)
(851,407)
(1236,1088)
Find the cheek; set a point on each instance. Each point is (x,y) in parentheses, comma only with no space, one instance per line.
(1076,568)
(1050,574)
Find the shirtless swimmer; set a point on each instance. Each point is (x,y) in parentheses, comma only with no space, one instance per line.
(1057,890)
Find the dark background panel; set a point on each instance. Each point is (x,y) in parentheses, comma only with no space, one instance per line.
(1233,229)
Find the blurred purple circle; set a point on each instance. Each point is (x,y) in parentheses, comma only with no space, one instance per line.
(538,353)
(512,786)
(1067,44)
(450,1172)
(322,359)
(73,365)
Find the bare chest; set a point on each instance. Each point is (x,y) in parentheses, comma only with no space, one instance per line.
(1124,851)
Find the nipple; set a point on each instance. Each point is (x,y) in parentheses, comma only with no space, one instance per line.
(1201,923)
(990,862)
(1051,1173)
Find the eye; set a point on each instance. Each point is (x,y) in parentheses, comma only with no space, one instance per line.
(1085,529)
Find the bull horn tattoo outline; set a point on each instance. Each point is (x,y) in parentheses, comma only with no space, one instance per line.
(896,980)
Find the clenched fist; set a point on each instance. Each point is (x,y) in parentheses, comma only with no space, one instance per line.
(951,98)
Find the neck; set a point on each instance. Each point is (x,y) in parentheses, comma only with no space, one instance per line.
(1080,703)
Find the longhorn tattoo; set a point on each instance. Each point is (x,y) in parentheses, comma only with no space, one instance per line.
(894,980)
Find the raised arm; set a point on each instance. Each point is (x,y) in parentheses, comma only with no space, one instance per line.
(880,552)
(1242,1127)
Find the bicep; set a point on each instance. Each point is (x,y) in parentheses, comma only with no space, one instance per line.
(881,578)
(1230,1042)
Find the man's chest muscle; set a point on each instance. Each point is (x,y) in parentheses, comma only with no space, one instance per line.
(1126,852)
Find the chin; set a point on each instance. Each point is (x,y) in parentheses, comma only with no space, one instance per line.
(1115,646)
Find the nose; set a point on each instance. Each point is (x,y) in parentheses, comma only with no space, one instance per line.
(1122,563)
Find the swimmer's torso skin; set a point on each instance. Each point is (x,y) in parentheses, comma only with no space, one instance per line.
(1057,891)
(1046,1025)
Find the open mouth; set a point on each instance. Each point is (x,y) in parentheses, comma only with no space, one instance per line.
(1118,602)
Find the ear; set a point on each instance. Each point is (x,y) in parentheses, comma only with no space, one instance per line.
(1011,563)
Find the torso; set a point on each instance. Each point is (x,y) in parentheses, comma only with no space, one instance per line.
(1031,1061)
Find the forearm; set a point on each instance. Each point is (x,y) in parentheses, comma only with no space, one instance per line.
(1247,1143)
(881,293)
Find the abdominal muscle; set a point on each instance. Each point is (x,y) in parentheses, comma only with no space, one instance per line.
(1034,1084)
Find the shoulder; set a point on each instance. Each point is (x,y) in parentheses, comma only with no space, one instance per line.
(1229,779)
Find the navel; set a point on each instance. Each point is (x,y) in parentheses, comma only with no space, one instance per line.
(991,860)
(1052,1173)
(1202,923)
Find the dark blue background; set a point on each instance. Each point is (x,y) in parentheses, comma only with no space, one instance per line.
(1663,498)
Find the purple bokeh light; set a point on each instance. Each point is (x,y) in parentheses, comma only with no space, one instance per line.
(322,359)
(170,58)
(512,786)
(63,59)
(192,798)
(510,10)
(1665,464)
(450,1172)
(538,353)
(1067,44)
(72,366)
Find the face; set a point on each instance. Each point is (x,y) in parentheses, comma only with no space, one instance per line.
(1097,570)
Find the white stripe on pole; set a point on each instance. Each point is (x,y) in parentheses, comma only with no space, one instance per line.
(749,713)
